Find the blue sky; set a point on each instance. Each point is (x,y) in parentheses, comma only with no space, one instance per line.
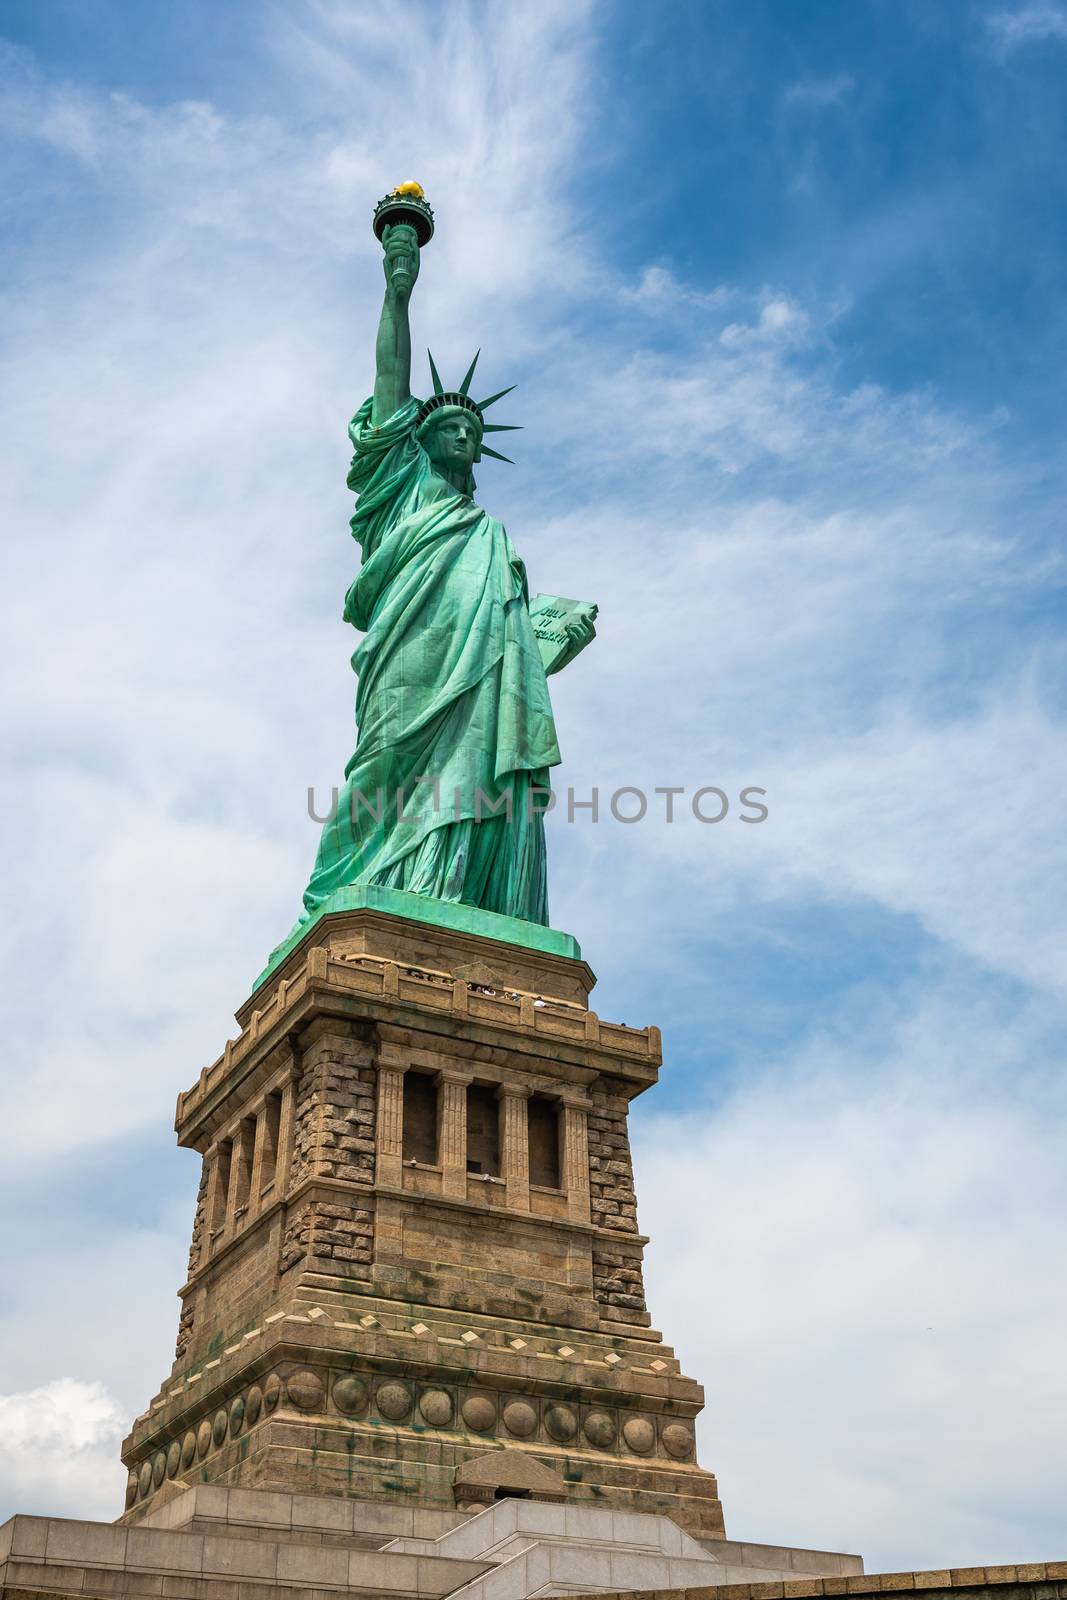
(781,287)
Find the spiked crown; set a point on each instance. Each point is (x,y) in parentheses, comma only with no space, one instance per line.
(459,400)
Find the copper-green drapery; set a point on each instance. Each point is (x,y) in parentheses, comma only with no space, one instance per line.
(452,706)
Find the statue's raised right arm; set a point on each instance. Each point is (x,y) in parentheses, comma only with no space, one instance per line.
(392,378)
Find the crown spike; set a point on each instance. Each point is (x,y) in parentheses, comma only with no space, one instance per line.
(438,386)
(485,451)
(493,398)
(501,427)
(465,385)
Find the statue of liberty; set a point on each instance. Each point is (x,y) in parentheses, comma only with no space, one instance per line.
(446,791)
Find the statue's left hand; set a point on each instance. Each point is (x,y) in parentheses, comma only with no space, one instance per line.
(580,632)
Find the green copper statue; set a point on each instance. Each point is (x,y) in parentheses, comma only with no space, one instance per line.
(445,792)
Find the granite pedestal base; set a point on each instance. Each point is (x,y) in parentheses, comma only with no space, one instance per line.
(212,1543)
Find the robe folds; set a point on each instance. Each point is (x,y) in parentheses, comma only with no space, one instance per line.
(452,707)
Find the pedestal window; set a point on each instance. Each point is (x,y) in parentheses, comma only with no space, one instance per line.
(420,1118)
(483,1131)
(544,1140)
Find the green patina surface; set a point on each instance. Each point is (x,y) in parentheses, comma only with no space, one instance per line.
(444,795)
(438,913)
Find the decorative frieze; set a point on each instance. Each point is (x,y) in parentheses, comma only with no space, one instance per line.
(471,1417)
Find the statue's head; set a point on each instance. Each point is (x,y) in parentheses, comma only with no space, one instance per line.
(452,438)
(451,425)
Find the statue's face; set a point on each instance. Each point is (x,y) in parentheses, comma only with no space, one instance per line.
(452,443)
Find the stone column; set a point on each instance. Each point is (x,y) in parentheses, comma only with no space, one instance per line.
(215,1204)
(261,1157)
(515,1145)
(389,1147)
(286,1131)
(576,1159)
(452,1144)
(240,1172)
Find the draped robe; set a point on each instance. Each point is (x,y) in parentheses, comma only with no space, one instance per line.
(452,706)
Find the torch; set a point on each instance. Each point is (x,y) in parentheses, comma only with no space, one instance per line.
(407,203)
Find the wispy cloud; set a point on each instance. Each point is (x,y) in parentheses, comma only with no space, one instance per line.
(780,319)
(1027,24)
(658,289)
(816,93)
(890,1283)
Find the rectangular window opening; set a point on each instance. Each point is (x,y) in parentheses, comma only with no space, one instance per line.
(420,1118)
(543,1133)
(483,1130)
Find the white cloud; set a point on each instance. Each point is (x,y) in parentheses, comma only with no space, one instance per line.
(1027,24)
(59,1449)
(948,822)
(877,798)
(827,644)
(743,379)
(658,289)
(853,1254)
(816,93)
(779,319)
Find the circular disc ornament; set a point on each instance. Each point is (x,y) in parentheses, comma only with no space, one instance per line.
(639,1434)
(600,1429)
(394,1401)
(561,1423)
(350,1395)
(306,1390)
(677,1440)
(436,1407)
(479,1413)
(520,1418)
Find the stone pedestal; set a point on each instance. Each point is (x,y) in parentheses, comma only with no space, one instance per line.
(212,1543)
(416,1272)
